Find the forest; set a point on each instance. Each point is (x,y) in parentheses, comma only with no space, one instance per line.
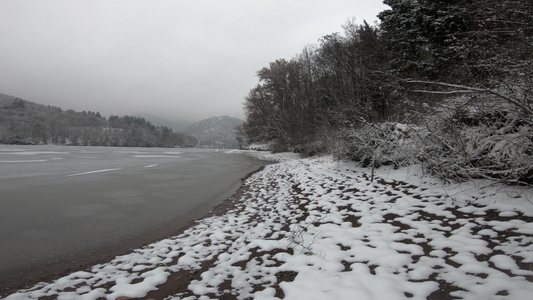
(446,84)
(28,123)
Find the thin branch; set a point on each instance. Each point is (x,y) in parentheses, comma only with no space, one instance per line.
(469,89)
(444,92)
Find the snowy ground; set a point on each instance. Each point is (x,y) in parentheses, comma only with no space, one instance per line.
(319,229)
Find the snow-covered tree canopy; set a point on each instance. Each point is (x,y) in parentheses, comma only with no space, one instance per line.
(342,95)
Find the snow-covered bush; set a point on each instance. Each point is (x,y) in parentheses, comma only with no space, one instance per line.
(310,149)
(463,138)
(258,147)
(379,144)
(480,139)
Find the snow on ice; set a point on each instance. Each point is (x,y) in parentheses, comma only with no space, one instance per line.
(320,229)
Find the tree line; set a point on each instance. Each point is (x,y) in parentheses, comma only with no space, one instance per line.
(24,122)
(447,67)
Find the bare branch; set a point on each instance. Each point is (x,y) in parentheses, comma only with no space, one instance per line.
(444,92)
(469,89)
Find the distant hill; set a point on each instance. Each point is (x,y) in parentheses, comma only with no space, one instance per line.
(175,124)
(215,132)
(25,122)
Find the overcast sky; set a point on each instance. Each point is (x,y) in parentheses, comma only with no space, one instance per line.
(182,60)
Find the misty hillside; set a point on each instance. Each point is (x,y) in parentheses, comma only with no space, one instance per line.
(175,124)
(29,123)
(215,132)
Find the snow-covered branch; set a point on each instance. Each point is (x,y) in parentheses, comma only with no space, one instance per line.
(469,89)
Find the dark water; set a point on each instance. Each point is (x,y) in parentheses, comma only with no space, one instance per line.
(58,202)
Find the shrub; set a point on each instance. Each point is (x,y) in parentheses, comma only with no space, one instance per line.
(379,144)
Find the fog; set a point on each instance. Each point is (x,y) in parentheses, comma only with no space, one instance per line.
(179,60)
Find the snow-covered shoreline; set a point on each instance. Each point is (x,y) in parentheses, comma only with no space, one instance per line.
(319,229)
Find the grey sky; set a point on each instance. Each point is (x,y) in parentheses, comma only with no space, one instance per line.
(183,60)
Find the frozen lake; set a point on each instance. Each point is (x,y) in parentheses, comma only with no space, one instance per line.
(64,205)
